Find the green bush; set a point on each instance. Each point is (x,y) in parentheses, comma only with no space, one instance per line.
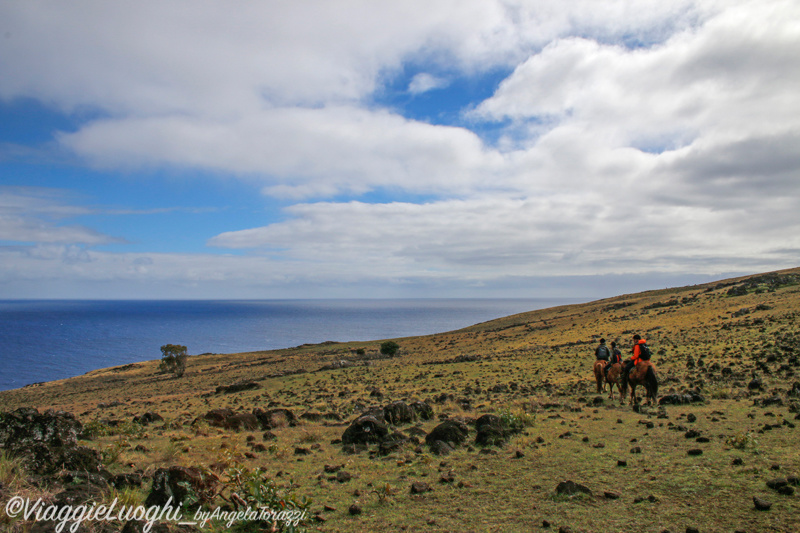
(173,359)
(389,348)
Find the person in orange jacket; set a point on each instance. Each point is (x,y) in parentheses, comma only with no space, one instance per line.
(635,354)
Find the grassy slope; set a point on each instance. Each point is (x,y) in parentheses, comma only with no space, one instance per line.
(543,358)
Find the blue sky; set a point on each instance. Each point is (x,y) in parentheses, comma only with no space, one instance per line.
(471,148)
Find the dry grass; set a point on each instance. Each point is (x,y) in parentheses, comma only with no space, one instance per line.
(533,367)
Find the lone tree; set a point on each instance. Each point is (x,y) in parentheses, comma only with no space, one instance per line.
(389,348)
(173,359)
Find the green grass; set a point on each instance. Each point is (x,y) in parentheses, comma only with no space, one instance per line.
(542,363)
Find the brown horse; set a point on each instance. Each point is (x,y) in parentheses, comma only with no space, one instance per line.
(599,366)
(614,377)
(643,373)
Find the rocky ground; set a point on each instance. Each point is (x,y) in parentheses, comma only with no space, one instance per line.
(496,427)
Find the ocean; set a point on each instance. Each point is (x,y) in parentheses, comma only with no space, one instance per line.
(45,340)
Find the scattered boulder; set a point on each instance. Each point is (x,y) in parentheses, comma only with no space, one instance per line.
(26,426)
(46,442)
(397,413)
(761,505)
(422,410)
(125,481)
(242,421)
(490,431)
(680,399)
(420,487)
(147,418)
(452,430)
(177,482)
(570,488)
(365,430)
(275,418)
(354,509)
(439,447)
(217,417)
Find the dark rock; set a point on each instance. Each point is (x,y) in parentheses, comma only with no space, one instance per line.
(691,417)
(622,463)
(26,426)
(365,430)
(490,431)
(217,417)
(302,451)
(691,434)
(177,482)
(609,495)
(397,413)
(676,399)
(420,487)
(451,431)
(124,481)
(422,410)
(440,447)
(268,435)
(343,477)
(761,505)
(354,509)
(275,418)
(148,418)
(766,402)
(312,416)
(570,488)
(695,451)
(242,421)
(43,460)
(755,384)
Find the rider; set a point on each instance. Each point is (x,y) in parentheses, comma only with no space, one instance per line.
(616,357)
(635,353)
(602,353)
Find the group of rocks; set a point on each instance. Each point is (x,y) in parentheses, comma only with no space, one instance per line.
(373,427)
(47,446)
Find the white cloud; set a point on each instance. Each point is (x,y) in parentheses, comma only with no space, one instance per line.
(633,135)
(301,151)
(30,214)
(424,82)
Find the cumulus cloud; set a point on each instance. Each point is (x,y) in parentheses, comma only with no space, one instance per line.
(631,137)
(424,82)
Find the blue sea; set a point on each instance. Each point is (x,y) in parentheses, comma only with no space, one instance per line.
(44,340)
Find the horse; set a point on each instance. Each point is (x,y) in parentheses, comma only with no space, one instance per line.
(614,377)
(599,367)
(643,373)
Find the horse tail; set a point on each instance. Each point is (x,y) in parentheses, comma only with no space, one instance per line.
(652,382)
(624,379)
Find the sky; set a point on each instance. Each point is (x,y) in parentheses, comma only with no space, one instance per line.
(381,149)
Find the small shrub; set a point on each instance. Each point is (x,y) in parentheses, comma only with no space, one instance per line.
(515,421)
(742,441)
(389,348)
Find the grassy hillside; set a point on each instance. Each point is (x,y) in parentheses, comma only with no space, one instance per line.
(534,370)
